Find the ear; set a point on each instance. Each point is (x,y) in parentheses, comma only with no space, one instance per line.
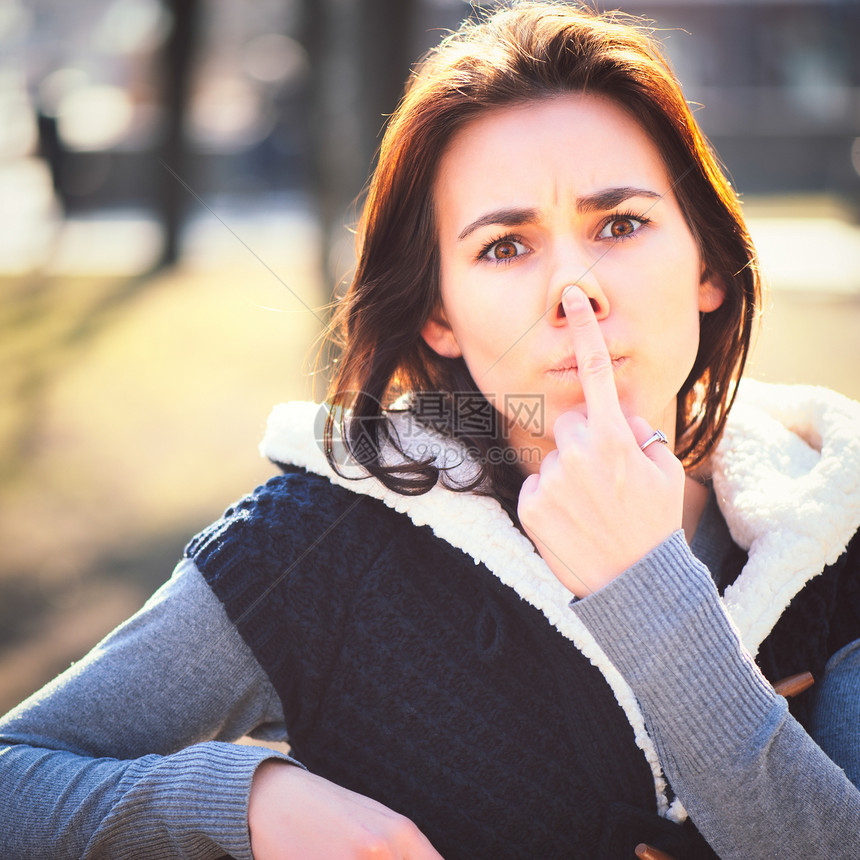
(438,335)
(712,293)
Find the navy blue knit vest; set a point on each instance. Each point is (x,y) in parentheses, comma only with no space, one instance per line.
(410,674)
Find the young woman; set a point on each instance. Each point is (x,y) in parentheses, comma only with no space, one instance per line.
(483,599)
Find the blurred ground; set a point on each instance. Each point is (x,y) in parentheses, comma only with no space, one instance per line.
(810,255)
(132,407)
(132,411)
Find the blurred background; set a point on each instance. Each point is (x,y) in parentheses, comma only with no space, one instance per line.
(176,185)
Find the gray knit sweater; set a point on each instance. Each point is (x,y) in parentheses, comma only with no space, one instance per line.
(120,757)
(123,755)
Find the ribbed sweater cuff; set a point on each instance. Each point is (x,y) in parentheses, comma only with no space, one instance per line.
(664,627)
(193,803)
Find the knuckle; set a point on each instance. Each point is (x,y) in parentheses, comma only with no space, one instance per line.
(547,466)
(373,846)
(570,458)
(525,505)
(560,424)
(528,511)
(567,424)
(397,823)
(552,475)
(529,487)
(405,830)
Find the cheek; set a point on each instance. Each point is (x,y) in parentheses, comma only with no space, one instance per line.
(493,361)
(675,304)
(681,347)
(483,326)
(670,317)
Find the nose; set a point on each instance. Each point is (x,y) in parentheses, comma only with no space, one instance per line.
(584,276)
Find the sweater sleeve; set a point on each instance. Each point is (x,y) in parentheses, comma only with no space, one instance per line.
(124,755)
(746,771)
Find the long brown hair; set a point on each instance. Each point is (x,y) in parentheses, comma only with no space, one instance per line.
(527,51)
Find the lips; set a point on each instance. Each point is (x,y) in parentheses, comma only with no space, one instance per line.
(568,366)
(565,369)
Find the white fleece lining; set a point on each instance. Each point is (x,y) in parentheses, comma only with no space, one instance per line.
(769,476)
(787,478)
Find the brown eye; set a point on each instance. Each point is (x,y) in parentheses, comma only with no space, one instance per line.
(621,226)
(503,250)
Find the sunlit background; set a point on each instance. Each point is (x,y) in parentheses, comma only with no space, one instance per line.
(176,182)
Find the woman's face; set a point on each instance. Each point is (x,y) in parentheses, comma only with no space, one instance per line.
(532,198)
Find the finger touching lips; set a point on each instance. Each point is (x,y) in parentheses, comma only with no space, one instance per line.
(593,360)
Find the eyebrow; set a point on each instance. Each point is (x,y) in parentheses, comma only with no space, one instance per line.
(503,217)
(608,198)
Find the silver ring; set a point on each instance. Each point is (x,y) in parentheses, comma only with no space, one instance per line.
(656,436)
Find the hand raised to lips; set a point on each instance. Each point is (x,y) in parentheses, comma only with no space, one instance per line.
(599,503)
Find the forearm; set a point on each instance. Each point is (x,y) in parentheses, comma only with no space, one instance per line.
(109,759)
(193,803)
(745,770)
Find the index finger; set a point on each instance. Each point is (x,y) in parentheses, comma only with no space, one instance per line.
(593,361)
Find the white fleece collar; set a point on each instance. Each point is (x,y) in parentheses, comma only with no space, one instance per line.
(786,474)
(787,478)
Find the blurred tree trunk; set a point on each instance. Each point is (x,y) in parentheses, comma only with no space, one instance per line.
(177,69)
(360,54)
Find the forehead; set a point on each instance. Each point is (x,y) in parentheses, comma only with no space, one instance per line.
(564,145)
